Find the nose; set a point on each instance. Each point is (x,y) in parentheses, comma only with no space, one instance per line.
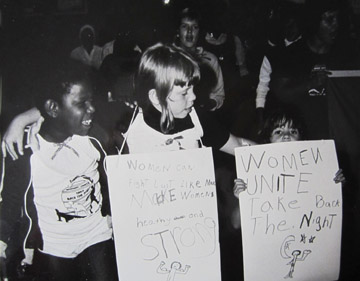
(286,136)
(90,107)
(191,95)
(190,29)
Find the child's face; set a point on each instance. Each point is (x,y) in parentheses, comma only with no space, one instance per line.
(189,33)
(76,111)
(284,133)
(181,100)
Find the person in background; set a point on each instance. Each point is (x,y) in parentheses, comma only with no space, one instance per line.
(285,29)
(299,75)
(119,67)
(230,52)
(88,53)
(210,91)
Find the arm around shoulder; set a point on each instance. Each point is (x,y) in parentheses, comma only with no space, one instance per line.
(14,134)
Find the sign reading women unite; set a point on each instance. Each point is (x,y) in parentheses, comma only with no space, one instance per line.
(164,213)
(291,212)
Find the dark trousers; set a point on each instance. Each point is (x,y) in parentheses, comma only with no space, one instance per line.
(96,263)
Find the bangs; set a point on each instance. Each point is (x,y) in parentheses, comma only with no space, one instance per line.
(185,72)
(282,121)
(186,81)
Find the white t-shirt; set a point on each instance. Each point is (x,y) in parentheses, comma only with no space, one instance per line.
(67,196)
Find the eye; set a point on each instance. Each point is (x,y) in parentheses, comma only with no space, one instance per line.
(294,131)
(277,132)
(187,91)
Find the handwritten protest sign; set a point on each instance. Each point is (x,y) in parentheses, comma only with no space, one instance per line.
(165,215)
(291,213)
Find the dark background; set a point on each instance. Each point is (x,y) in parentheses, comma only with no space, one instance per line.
(36,33)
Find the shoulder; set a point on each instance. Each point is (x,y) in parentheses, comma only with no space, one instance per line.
(208,55)
(210,59)
(77,51)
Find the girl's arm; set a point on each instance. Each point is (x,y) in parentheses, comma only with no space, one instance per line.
(233,142)
(15,132)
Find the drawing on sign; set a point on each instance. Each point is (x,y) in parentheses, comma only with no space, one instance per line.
(175,268)
(295,254)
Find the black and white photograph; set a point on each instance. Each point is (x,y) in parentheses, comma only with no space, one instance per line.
(179,140)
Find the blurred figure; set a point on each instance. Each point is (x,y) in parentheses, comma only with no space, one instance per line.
(118,68)
(285,29)
(210,91)
(298,72)
(87,53)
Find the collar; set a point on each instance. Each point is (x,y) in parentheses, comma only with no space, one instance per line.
(152,118)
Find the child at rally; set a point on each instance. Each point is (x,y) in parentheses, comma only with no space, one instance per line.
(280,126)
(166,119)
(61,170)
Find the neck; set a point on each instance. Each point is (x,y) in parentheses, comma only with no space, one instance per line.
(88,49)
(191,50)
(52,133)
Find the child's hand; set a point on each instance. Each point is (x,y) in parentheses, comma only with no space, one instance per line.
(13,137)
(339,177)
(239,186)
(14,134)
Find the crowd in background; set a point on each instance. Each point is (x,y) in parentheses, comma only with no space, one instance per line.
(255,58)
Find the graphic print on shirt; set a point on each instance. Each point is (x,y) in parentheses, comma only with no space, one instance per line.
(319,90)
(80,199)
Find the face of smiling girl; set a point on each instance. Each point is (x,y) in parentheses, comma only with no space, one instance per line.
(181,100)
(284,133)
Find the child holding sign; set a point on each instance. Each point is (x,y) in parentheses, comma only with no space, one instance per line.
(281,126)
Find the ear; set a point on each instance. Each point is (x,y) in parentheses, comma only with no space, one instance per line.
(52,108)
(153,97)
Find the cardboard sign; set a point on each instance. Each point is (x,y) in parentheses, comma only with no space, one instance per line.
(291,212)
(164,212)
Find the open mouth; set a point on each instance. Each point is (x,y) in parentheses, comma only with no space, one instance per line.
(87,122)
(189,38)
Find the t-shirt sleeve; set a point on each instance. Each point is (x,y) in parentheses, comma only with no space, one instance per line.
(215,135)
